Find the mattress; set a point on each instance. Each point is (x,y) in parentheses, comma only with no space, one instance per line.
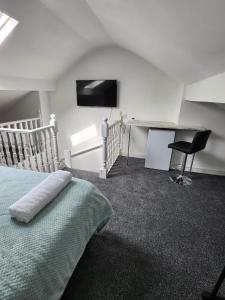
(37,259)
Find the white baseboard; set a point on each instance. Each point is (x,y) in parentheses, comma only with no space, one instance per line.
(135,155)
(178,167)
(201,170)
(208,171)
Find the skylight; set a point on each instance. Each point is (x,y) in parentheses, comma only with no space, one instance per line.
(7,24)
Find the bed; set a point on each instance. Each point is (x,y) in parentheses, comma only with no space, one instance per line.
(38,259)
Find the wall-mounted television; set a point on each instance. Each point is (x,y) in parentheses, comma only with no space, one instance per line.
(97,93)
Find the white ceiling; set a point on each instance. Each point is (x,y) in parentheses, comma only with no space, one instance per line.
(184,38)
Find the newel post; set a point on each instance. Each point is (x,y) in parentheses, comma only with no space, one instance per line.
(54,139)
(121,133)
(68,158)
(40,118)
(105,132)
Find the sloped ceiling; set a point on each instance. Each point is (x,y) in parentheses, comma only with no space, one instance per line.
(184,38)
(43,45)
(9,97)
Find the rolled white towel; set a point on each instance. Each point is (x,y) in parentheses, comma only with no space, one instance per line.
(26,208)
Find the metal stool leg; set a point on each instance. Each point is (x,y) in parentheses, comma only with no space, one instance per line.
(213,294)
(184,165)
(181,179)
(192,160)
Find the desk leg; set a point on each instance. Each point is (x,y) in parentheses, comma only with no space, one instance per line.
(128,145)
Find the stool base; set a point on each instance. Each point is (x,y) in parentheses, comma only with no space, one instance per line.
(181,180)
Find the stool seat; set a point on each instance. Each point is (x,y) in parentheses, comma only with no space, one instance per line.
(182,146)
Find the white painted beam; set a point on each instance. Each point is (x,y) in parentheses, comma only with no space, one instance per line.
(23,84)
(211,89)
(45,107)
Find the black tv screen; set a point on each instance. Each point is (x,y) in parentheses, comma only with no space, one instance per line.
(97,93)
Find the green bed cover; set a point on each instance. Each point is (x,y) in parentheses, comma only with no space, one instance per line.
(37,259)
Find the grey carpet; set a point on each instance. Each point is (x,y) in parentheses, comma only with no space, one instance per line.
(164,241)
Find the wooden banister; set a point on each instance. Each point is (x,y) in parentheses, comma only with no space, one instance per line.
(17,123)
(23,145)
(105,132)
(112,141)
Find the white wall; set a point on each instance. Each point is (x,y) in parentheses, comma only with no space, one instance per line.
(144,93)
(24,108)
(210,116)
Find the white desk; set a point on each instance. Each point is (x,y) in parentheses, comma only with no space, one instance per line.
(162,125)
(158,125)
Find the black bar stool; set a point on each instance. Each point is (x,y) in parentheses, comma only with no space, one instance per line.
(199,142)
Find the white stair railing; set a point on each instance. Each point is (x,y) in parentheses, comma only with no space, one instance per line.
(29,147)
(23,124)
(112,140)
(111,146)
